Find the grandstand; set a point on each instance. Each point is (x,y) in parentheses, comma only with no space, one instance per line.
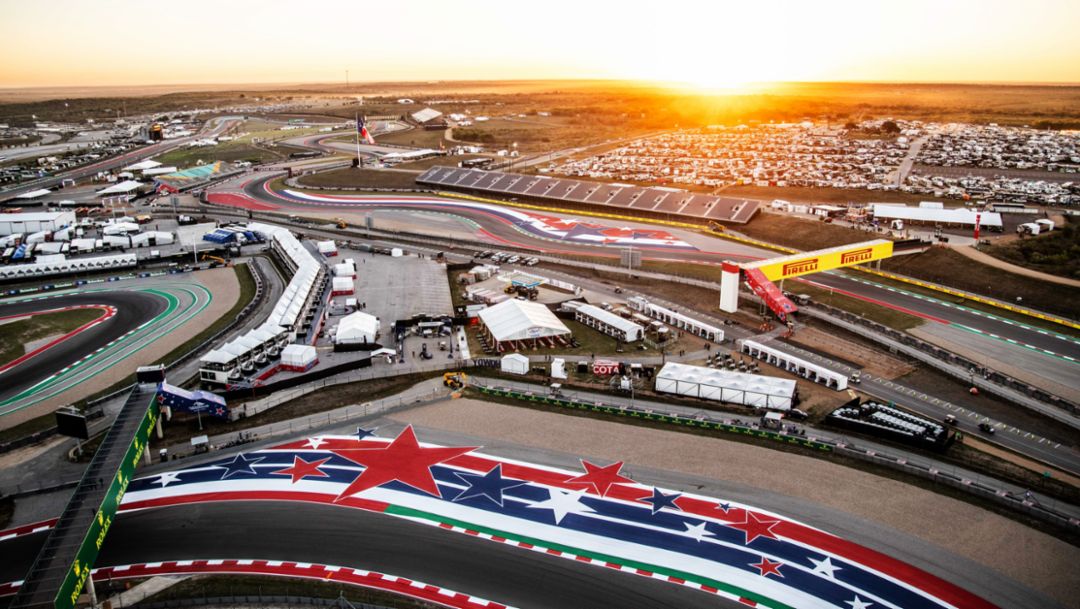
(652,202)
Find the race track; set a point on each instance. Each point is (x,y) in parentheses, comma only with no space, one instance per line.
(506,530)
(602,238)
(143,311)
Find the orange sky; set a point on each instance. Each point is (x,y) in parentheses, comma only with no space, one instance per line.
(713,44)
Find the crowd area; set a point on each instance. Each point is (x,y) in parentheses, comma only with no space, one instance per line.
(987,162)
(783,154)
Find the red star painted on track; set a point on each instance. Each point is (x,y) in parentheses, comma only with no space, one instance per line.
(301,469)
(403,460)
(601,478)
(766,566)
(755,527)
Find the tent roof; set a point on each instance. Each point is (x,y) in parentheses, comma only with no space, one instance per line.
(142,165)
(357,325)
(123,187)
(959,215)
(609,318)
(768,385)
(521,320)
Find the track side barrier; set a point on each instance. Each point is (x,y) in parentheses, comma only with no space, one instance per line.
(650,415)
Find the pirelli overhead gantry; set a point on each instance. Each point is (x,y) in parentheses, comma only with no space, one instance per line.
(760,275)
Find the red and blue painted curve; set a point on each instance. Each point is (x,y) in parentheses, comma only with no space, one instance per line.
(600,517)
(300,570)
(108,312)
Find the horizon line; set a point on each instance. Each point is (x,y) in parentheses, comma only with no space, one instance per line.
(422,82)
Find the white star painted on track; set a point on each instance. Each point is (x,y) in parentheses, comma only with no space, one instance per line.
(858,603)
(696,531)
(166,478)
(825,567)
(562,503)
(315,443)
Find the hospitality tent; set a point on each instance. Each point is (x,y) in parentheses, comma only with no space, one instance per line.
(299,358)
(752,390)
(530,323)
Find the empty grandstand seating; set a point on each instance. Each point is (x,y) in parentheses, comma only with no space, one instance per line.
(661,202)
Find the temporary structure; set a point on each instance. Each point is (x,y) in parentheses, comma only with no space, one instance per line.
(519,320)
(515,363)
(357,327)
(726,386)
(299,358)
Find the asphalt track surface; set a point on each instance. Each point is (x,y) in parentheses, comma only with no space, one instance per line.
(1045,343)
(367,540)
(132,309)
(145,310)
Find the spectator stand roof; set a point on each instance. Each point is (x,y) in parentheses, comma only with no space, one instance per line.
(650,200)
(521,320)
(181,179)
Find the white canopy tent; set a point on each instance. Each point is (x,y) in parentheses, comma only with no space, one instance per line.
(521,320)
(752,390)
(357,327)
(514,363)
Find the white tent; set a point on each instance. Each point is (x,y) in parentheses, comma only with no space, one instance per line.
(558,368)
(327,248)
(942,216)
(342,285)
(521,320)
(298,357)
(345,269)
(357,327)
(142,166)
(124,187)
(515,363)
(726,386)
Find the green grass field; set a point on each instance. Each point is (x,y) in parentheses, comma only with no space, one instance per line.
(15,334)
(1056,252)
(360,179)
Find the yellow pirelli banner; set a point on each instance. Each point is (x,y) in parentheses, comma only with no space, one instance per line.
(805,263)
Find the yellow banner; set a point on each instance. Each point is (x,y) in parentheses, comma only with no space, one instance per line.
(824,260)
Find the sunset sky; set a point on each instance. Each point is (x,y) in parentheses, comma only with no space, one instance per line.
(714,44)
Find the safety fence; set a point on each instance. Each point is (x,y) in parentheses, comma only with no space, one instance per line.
(703,421)
(1023,502)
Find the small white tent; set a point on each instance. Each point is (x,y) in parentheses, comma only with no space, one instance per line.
(299,358)
(357,327)
(515,363)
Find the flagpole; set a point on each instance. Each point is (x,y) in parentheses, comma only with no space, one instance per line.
(359,162)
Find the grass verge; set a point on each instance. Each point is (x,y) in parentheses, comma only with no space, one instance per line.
(350,177)
(14,335)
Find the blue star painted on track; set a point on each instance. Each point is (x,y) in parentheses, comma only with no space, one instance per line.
(239,465)
(362,433)
(659,500)
(490,485)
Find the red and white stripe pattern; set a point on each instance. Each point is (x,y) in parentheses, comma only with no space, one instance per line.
(302,570)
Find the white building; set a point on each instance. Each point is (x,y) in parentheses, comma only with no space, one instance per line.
(11,224)
(609,323)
